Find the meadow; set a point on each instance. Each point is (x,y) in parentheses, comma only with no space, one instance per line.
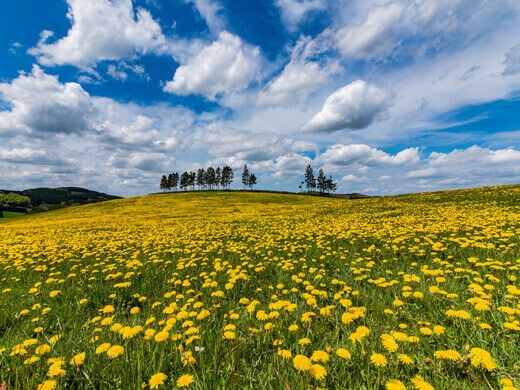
(264,291)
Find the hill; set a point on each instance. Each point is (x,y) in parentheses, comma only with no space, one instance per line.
(43,199)
(244,290)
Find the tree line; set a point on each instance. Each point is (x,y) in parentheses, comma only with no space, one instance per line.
(322,183)
(209,178)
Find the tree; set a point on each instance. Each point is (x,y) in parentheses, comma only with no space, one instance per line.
(322,181)
(227,176)
(330,185)
(175,181)
(201,178)
(164,183)
(210,177)
(191,180)
(184,181)
(252,180)
(169,185)
(310,181)
(245,177)
(218,177)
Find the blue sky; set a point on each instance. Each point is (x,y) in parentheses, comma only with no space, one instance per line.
(386,96)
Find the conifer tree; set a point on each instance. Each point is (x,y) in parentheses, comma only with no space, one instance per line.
(310,181)
(321,183)
(252,180)
(164,183)
(245,177)
(201,178)
(218,177)
(210,177)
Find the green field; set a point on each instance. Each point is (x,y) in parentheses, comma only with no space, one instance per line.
(252,290)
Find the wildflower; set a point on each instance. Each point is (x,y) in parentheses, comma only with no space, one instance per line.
(420,384)
(318,371)
(55,369)
(343,353)
(102,348)
(378,360)
(185,380)
(304,341)
(161,336)
(115,351)
(449,354)
(31,360)
(78,359)
(302,363)
(482,359)
(320,356)
(229,335)
(47,385)
(394,384)
(405,359)
(156,380)
(285,353)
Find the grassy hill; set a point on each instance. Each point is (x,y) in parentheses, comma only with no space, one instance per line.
(257,290)
(44,199)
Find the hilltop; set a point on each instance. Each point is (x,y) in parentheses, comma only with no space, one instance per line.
(44,199)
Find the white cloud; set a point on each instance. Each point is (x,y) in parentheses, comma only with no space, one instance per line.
(293,11)
(512,61)
(364,155)
(373,37)
(40,105)
(468,166)
(225,66)
(211,11)
(115,73)
(300,77)
(354,106)
(101,30)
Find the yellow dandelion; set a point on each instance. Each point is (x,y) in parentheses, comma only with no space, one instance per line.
(102,348)
(394,384)
(78,359)
(320,356)
(302,363)
(378,360)
(185,380)
(156,380)
(343,353)
(318,371)
(115,351)
(285,353)
(449,354)
(47,385)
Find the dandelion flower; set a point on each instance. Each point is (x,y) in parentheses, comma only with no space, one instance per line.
(318,371)
(320,356)
(78,359)
(115,351)
(47,385)
(302,363)
(449,354)
(156,380)
(378,360)
(394,384)
(185,380)
(343,353)
(102,348)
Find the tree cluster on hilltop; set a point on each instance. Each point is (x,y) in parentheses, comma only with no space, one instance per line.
(248,179)
(205,179)
(322,183)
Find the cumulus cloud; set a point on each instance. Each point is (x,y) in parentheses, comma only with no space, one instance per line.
(41,105)
(300,77)
(355,106)
(373,37)
(101,30)
(27,155)
(225,66)
(467,165)
(293,11)
(364,155)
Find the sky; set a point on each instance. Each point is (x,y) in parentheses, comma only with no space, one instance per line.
(388,97)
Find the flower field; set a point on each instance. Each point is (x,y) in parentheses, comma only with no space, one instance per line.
(251,290)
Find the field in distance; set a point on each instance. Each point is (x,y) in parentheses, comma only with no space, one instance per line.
(258,290)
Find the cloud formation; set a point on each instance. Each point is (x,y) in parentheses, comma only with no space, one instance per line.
(224,66)
(364,155)
(101,30)
(355,106)
(41,106)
